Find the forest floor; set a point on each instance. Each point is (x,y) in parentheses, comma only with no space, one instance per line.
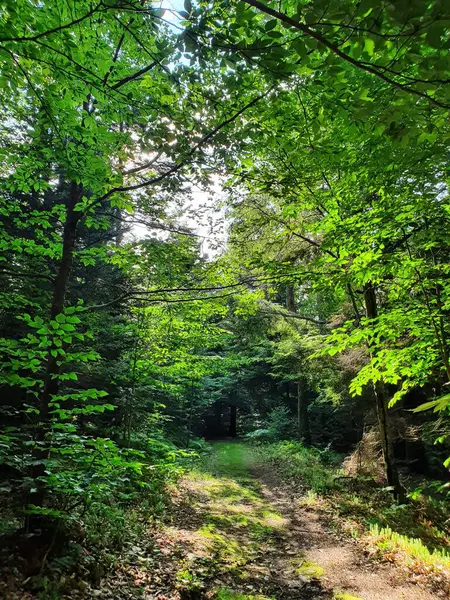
(237,531)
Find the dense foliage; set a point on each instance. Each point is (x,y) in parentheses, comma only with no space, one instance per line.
(321,314)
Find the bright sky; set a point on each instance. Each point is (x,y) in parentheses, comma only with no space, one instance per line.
(199,210)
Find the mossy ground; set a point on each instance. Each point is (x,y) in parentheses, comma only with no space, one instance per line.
(308,568)
(236,519)
(226,594)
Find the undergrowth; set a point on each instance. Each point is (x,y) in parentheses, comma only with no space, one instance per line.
(80,548)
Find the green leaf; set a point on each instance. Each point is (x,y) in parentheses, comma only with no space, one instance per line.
(369,46)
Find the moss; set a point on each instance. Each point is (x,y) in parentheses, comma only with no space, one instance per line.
(226,549)
(226,594)
(310,569)
(345,596)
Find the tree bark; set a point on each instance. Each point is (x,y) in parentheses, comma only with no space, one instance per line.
(290,298)
(304,431)
(51,380)
(51,384)
(218,419)
(233,421)
(381,399)
(302,414)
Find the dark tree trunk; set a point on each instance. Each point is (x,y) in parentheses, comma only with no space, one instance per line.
(233,421)
(290,299)
(51,385)
(51,381)
(302,414)
(218,419)
(304,431)
(382,400)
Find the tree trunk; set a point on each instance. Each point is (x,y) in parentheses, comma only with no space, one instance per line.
(381,399)
(233,421)
(290,298)
(302,399)
(51,384)
(51,381)
(218,415)
(302,414)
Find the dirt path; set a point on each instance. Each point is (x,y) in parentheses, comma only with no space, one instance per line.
(243,531)
(237,533)
(345,567)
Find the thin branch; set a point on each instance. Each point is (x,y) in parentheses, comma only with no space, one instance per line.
(134,76)
(158,300)
(320,38)
(291,315)
(11,273)
(151,225)
(56,29)
(178,166)
(147,165)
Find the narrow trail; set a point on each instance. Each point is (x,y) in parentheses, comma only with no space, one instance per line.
(237,532)
(246,532)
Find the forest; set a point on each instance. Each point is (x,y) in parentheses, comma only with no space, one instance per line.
(225,299)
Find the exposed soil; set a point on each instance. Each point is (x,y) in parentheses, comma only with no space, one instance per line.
(346,568)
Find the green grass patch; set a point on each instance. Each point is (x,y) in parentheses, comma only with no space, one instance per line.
(231,459)
(314,468)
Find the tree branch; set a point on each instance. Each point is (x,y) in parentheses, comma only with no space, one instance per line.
(291,315)
(178,166)
(33,38)
(306,29)
(134,76)
(11,273)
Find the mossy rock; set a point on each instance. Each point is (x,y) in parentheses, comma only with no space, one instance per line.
(310,569)
(226,594)
(345,596)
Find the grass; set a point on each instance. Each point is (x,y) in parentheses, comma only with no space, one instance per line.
(410,551)
(236,519)
(294,461)
(229,458)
